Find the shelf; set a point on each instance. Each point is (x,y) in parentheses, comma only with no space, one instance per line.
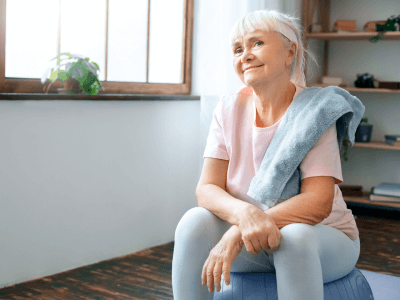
(352,36)
(355,89)
(364,201)
(376,145)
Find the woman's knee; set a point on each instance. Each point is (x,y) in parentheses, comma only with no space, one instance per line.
(299,236)
(194,223)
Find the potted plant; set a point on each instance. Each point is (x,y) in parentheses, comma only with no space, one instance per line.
(79,75)
(392,24)
(363,135)
(363,132)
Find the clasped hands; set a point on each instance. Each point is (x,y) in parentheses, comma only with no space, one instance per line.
(256,230)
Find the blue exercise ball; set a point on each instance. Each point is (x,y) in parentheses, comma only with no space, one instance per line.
(263,286)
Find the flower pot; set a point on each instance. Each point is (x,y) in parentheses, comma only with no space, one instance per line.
(363,133)
(71,86)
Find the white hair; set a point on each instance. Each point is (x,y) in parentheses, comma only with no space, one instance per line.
(267,20)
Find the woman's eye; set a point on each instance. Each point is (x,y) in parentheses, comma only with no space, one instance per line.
(259,42)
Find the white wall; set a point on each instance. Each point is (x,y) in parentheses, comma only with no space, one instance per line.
(86,181)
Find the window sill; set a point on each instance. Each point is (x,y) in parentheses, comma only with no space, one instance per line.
(103,97)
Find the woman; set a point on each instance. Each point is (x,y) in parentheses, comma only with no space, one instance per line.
(307,240)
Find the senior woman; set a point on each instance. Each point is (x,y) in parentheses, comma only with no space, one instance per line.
(306,240)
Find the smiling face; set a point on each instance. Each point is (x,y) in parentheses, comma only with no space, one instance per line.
(265,54)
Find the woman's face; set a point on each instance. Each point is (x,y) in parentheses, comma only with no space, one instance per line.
(264,52)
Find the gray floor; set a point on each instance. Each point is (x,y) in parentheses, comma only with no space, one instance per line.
(384,287)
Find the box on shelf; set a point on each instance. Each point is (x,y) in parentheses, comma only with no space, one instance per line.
(371,25)
(332,80)
(316,27)
(351,190)
(393,85)
(345,25)
(393,140)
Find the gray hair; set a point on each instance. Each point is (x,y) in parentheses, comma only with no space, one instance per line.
(267,20)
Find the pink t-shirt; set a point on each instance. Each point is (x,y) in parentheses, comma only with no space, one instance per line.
(234,136)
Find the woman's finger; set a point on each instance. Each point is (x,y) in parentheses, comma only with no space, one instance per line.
(226,269)
(256,245)
(217,275)
(249,246)
(264,243)
(274,239)
(204,273)
(210,274)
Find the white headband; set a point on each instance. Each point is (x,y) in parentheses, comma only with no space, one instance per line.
(285,29)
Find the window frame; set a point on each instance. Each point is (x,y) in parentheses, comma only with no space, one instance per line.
(29,86)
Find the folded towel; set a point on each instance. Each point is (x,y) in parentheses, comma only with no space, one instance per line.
(309,115)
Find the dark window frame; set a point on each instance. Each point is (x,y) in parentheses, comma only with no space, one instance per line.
(29,86)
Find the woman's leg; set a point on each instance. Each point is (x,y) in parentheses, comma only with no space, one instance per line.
(309,256)
(196,235)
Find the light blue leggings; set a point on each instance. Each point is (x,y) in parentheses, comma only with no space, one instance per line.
(308,257)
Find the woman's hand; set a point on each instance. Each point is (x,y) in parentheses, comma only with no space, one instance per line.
(259,231)
(220,259)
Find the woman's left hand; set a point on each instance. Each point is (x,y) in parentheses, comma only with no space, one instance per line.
(220,259)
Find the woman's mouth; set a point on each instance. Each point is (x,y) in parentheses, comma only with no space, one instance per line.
(252,68)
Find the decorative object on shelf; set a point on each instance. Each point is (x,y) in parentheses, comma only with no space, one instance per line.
(365,81)
(392,24)
(363,132)
(323,85)
(371,25)
(359,133)
(386,192)
(316,27)
(351,190)
(392,139)
(79,76)
(392,85)
(337,81)
(345,26)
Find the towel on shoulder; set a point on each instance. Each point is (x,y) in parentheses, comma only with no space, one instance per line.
(310,114)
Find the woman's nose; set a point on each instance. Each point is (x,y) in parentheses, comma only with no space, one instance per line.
(247,55)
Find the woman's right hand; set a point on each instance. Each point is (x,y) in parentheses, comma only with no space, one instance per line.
(259,231)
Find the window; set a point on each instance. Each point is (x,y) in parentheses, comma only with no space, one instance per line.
(141,46)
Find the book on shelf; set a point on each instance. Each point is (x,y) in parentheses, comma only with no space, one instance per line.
(386,192)
(373,197)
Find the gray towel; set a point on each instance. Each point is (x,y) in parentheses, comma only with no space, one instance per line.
(309,115)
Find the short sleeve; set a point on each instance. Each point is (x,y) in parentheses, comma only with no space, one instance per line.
(216,146)
(323,159)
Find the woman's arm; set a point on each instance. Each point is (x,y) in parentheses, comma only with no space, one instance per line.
(311,206)
(211,191)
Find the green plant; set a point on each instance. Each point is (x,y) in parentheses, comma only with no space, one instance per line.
(388,26)
(346,141)
(76,68)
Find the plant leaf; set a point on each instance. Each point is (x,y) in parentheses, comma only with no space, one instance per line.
(63,75)
(97,66)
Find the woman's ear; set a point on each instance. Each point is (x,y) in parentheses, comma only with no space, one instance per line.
(292,54)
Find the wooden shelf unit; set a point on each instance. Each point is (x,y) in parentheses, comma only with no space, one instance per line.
(363,90)
(352,36)
(364,201)
(326,35)
(376,145)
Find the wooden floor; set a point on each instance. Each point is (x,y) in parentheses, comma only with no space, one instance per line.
(147,274)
